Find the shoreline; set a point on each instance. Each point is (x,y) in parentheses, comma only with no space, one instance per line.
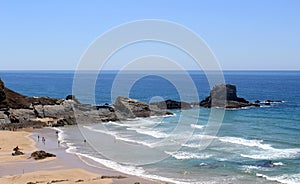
(67,163)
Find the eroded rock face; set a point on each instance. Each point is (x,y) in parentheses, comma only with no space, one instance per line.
(129,108)
(2,92)
(11,99)
(225,96)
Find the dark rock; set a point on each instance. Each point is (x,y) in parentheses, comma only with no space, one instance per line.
(267,164)
(72,97)
(113,177)
(224,95)
(273,101)
(14,100)
(38,155)
(17,152)
(171,104)
(57,181)
(2,91)
(106,106)
(11,99)
(44,101)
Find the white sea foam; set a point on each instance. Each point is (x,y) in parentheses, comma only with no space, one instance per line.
(285,178)
(278,164)
(134,141)
(100,131)
(131,170)
(60,134)
(152,133)
(127,169)
(196,140)
(274,154)
(252,168)
(181,155)
(246,142)
(197,126)
(267,152)
(134,123)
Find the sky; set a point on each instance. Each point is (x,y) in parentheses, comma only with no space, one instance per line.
(243,35)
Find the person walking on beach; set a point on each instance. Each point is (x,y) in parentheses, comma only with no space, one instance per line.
(38,138)
(43,140)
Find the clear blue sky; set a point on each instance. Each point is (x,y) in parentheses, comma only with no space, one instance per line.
(250,34)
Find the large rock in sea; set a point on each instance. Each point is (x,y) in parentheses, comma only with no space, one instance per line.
(224,96)
(130,108)
(172,104)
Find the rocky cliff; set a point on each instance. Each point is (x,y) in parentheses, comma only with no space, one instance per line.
(19,111)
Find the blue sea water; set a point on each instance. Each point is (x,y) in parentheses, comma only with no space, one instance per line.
(248,139)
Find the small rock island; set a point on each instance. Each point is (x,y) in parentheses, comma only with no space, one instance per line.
(224,96)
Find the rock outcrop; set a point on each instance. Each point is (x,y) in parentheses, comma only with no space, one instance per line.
(11,99)
(172,104)
(19,111)
(38,155)
(225,96)
(130,108)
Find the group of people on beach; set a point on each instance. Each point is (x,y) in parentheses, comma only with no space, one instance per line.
(58,141)
(43,139)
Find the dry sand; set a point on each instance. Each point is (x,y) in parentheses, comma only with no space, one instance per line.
(56,176)
(11,139)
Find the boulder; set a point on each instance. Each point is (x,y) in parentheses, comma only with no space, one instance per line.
(172,104)
(17,152)
(72,97)
(224,96)
(38,155)
(130,108)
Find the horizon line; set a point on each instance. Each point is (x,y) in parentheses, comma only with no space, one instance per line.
(150,70)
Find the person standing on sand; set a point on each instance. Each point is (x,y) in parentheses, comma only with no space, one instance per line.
(38,138)
(43,140)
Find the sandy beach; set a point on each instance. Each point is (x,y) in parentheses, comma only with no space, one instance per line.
(64,168)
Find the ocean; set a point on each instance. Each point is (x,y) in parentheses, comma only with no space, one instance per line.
(253,145)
